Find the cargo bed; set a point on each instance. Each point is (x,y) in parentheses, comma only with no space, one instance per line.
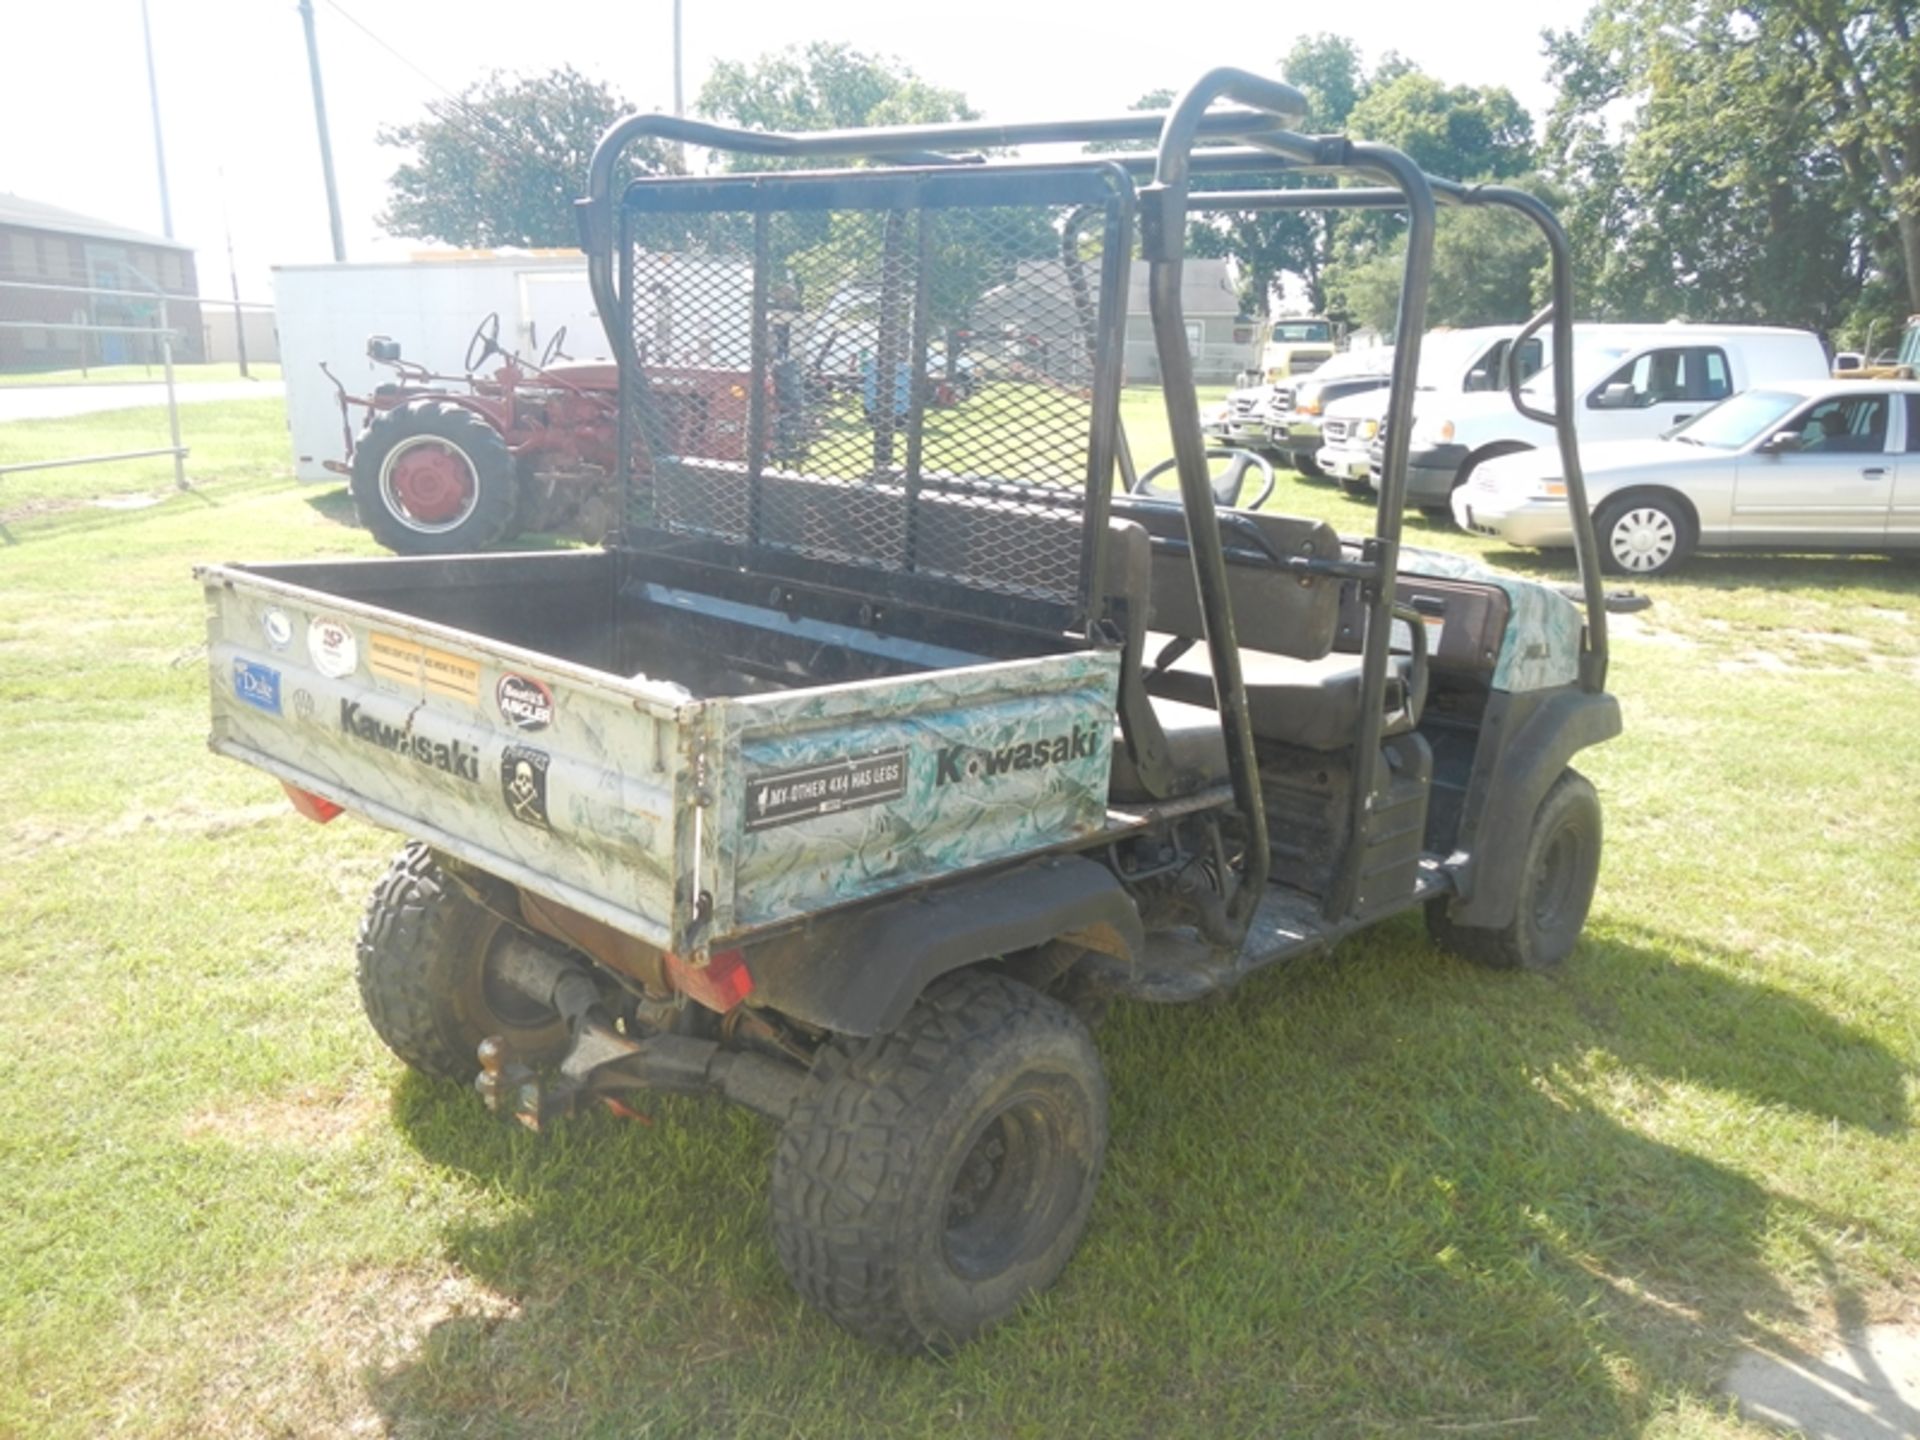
(678,753)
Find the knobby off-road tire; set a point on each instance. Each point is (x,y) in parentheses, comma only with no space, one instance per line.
(435,431)
(423,974)
(1557,879)
(932,1179)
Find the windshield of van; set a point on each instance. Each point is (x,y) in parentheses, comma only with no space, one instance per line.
(1588,366)
(1738,420)
(1295,332)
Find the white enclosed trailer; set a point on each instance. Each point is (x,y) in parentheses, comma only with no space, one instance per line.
(430,305)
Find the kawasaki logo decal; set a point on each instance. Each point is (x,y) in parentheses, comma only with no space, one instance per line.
(956,763)
(452,757)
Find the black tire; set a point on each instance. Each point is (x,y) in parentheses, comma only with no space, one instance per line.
(423,974)
(1360,489)
(1557,879)
(483,520)
(930,1180)
(1441,513)
(1644,533)
(1305,464)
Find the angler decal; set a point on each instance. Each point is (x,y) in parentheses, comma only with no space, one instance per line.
(956,763)
(524,703)
(453,757)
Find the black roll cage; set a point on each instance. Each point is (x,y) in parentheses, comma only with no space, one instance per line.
(1250,136)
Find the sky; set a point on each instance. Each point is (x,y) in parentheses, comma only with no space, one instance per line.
(236,109)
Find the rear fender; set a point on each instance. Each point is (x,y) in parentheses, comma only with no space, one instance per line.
(859,973)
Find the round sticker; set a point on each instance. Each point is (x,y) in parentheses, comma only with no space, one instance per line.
(334,650)
(279,629)
(524,704)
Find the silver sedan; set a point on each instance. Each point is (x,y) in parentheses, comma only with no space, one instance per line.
(1830,465)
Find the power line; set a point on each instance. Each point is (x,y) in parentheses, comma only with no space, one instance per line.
(489,129)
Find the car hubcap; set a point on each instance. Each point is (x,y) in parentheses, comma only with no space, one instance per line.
(428,484)
(1644,539)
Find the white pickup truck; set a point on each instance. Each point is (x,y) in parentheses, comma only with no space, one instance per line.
(1630,382)
(1452,362)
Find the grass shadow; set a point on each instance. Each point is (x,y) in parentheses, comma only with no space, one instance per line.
(1374,1191)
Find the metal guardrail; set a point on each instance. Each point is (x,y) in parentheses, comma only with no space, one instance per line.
(159,331)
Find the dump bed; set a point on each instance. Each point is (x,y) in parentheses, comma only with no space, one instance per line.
(641,795)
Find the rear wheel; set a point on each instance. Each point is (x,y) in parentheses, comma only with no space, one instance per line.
(932,1179)
(426,978)
(1643,534)
(1558,874)
(435,479)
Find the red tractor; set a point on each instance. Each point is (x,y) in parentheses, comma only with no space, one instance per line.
(450,463)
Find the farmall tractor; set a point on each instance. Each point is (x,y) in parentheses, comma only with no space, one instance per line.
(454,463)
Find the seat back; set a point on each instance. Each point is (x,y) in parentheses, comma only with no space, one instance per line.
(1274,609)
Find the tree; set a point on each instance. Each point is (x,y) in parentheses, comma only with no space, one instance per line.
(503,162)
(1488,269)
(1461,132)
(823,86)
(1767,170)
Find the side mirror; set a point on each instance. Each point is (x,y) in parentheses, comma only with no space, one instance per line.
(1779,441)
(1619,396)
(383,348)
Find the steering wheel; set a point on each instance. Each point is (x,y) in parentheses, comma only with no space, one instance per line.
(485,342)
(552,352)
(1227,485)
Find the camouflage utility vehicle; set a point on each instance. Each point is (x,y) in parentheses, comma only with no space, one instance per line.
(845,787)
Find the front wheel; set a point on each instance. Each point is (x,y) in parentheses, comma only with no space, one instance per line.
(435,479)
(1643,535)
(930,1180)
(1559,871)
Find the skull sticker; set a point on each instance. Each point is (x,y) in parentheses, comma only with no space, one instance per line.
(523,783)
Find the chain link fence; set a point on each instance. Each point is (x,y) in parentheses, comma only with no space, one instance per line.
(93,381)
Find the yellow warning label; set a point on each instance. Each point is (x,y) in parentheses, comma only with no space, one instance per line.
(415,664)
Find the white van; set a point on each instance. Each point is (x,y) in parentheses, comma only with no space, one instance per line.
(1630,382)
(1452,362)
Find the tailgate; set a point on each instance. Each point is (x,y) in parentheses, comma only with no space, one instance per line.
(563,779)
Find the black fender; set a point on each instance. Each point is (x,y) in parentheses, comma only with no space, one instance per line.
(1526,741)
(860,972)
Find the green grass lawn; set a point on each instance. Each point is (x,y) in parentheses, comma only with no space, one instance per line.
(134,374)
(1377,1193)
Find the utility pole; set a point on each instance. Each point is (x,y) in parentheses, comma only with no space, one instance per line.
(233,280)
(160,150)
(679,99)
(320,121)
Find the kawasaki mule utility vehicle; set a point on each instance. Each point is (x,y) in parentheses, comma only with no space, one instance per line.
(842,785)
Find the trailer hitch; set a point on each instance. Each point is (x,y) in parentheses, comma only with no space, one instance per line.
(603,1064)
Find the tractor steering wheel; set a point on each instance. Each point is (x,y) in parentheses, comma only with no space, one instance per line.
(548,355)
(485,342)
(1227,485)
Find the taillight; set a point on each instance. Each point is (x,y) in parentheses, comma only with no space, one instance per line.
(720,985)
(315,807)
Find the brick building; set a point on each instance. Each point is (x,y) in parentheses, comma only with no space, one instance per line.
(43,245)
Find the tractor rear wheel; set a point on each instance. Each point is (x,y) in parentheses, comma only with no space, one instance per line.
(435,479)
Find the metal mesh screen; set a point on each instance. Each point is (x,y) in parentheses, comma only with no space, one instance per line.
(908,388)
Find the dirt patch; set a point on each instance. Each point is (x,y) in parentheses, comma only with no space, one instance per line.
(301,1367)
(1865,1386)
(25,837)
(309,1119)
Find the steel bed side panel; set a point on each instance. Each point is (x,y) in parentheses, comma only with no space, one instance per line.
(565,780)
(845,792)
